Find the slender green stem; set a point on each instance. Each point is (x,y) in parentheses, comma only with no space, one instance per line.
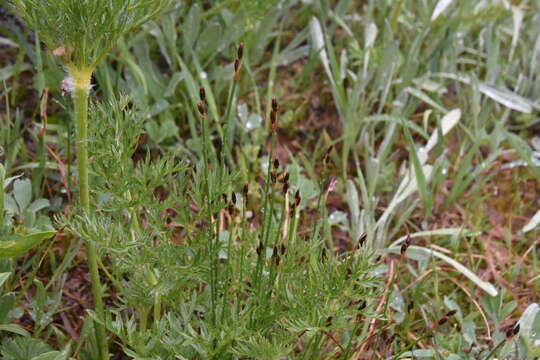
(81,80)
(267,216)
(2,176)
(218,8)
(157,307)
(228,140)
(495,350)
(143,320)
(80,99)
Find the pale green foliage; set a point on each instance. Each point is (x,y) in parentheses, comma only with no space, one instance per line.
(214,301)
(85,29)
(22,348)
(187,289)
(257,8)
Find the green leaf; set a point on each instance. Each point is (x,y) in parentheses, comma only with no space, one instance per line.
(421,180)
(3,277)
(15,329)
(51,355)
(529,322)
(416,354)
(7,302)
(416,252)
(20,243)
(192,27)
(524,151)
(22,348)
(38,205)
(10,206)
(22,191)
(9,180)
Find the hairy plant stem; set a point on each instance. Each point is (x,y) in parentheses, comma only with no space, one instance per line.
(81,88)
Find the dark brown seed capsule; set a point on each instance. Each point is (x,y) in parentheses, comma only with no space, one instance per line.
(276,257)
(273,116)
(362,305)
(512,331)
(285,188)
(283,249)
(259,249)
(202,110)
(276,164)
(329,321)
(245,190)
(446,317)
(362,239)
(297,198)
(442,320)
(405,245)
(293,210)
(326,158)
(236,66)
(233,198)
(202,94)
(274,105)
(240,53)
(286,178)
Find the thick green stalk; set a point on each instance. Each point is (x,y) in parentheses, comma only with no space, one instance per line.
(81,87)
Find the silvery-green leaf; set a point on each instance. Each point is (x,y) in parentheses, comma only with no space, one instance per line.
(38,205)
(10,205)
(22,192)
(18,244)
(3,277)
(533,223)
(439,8)
(317,38)
(504,97)
(371,34)
(15,329)
(447,123)
(415,251)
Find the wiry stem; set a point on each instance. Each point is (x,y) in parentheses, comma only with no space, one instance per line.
(81,86)
(2,175)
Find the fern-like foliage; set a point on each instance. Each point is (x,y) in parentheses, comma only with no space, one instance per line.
(22,348)
(81,32)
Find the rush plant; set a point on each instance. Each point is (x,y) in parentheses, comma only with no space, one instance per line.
(80,33)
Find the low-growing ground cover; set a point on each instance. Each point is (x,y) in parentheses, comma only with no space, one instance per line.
(269,179)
